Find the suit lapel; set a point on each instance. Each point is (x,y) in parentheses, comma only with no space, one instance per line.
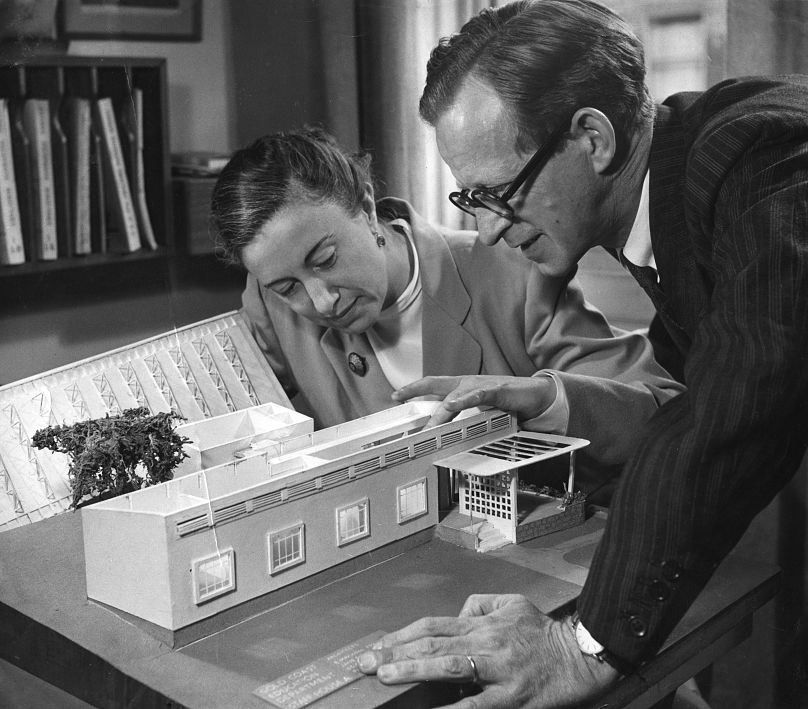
(447,348)
(362,391)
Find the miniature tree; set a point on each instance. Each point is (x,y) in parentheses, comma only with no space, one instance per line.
(114,455)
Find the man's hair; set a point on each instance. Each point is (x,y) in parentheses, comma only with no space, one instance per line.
(545,59)
(297,166)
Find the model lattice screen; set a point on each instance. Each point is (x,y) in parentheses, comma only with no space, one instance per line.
(490,497)
(206,369)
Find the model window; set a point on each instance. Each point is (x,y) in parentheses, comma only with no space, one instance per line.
(412,500)
(286,548)
(214,576)
(353,522)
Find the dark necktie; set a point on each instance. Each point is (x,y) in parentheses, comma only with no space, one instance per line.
(644,275)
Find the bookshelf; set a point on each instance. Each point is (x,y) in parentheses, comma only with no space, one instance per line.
(62,310)
(59,80)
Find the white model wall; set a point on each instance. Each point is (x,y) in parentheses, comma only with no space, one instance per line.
(248,538)
(115,561)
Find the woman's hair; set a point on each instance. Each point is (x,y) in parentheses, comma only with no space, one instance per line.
(545,59)
(305,165)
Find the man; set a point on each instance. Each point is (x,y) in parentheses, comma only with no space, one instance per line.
(541,111)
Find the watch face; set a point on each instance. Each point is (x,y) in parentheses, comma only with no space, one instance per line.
(588,644)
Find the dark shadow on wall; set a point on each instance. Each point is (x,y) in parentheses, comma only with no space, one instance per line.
(294,62)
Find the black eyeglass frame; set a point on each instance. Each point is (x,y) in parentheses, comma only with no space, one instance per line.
(468,199)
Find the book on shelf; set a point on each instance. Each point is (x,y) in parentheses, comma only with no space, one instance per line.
(37,123)
(14,89)
(78,118)
(98,212)
(87,160)
(117,193)
(132,124)
(198,163)
(12,250)
(60,154)
(24,174)
(48,84)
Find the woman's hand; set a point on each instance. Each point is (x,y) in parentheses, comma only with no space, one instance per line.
(519,656)
(526,397)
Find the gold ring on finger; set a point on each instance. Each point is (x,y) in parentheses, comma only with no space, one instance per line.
(475,678)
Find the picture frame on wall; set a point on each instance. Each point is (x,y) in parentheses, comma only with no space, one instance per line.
(156,20)
(26,21)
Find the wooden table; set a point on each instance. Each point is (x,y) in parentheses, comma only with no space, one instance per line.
(48,628)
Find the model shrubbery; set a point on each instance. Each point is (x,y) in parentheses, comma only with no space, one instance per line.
(114,455)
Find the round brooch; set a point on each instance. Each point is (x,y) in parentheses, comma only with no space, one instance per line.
(357,364)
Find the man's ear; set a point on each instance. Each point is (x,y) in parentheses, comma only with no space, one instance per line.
(596,130)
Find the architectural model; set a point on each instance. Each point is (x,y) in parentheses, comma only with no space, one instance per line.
(264,503)
(282,510)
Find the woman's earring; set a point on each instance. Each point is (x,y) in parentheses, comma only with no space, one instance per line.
(380,240)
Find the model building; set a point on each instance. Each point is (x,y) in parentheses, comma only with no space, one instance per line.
(281,511)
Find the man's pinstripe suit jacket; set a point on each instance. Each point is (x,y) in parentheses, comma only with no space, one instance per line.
(729,229)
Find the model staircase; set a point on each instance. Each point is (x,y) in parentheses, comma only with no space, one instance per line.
(489,538)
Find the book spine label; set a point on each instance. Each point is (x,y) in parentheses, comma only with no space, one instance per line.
(80,176)
(117,170)
(98,215)
(38,124)
(61,185)
(12,251)
(139,173)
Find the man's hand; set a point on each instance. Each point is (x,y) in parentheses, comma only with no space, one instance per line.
(526,397)
(522,657)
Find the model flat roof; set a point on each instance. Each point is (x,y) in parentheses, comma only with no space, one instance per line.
(514,451)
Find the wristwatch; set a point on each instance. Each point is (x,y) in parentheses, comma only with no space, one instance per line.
(589,646)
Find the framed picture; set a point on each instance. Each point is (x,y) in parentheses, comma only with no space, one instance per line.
(157,20)
(20,20)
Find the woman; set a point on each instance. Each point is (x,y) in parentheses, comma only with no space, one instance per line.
(350,299)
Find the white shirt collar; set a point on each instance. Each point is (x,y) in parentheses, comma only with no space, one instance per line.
(637,248)
(413,289)
(396,336)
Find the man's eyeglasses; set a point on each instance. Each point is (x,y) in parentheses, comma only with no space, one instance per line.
(482,198)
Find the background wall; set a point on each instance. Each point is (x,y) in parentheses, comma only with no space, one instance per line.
(295,62)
